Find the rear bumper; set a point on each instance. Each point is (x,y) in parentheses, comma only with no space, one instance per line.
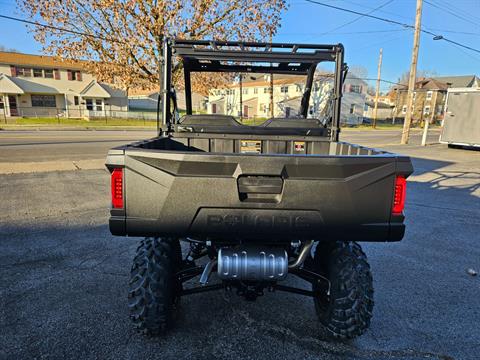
(384,232)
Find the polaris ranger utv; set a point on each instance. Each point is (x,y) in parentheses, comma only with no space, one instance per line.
(254,204)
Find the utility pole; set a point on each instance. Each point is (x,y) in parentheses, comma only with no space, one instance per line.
(397,98)
(241,99)
(272,110)
(379,71)
(413,74)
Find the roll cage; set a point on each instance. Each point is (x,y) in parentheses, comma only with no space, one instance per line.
(250,57)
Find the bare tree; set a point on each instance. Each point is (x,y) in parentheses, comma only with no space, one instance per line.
(3,48)
(124,38)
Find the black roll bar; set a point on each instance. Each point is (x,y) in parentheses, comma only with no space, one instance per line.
(250,57)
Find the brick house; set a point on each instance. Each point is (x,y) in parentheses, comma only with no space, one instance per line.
(44,86)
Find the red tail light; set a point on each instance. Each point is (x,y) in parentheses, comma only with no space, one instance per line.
(117,188)
(399,195)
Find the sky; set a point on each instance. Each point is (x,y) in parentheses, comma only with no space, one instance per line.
(304,22)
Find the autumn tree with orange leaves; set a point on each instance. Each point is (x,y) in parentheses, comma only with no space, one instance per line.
(123,38)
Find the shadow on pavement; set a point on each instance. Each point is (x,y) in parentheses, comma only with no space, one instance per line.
(64,290)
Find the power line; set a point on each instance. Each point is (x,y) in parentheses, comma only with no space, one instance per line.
(370,31)
(357,18)
(311,34)
(382,80)
(61,29)
(458,10)
(390,21)
(457,32)
(450,12)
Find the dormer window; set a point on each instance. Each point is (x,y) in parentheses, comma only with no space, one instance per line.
(74,75)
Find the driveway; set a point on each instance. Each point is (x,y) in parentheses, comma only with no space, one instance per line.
(64,277)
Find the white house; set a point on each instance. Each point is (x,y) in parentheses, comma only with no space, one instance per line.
(44,86)
(146,100)
(287,95)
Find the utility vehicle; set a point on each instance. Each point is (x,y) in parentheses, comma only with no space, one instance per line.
(254,205)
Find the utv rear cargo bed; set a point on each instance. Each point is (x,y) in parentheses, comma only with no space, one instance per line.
(269,187)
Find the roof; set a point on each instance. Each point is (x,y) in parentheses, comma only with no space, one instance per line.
(277,80)
(94,89)
(142,92)
(459,81)
(13,58)
(8,86)
(32,87)
(380,105)
(431,84)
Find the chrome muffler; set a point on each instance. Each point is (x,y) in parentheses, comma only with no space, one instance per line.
(252,263)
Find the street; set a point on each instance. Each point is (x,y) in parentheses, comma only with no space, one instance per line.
(64,277)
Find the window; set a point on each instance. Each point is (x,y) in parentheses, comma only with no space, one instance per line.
(99,104)
(426,110)
(89,104)
(37,73)
(299,88)
(316,86)
(74,75)
(2,105)
(245,91)
(43,101)
(404,109)
(255,90)
(75,100)
(267,90)
(284,89)
(23,71)
(94,104)
(429,95)
(352,109)
(48,73)
(356,89)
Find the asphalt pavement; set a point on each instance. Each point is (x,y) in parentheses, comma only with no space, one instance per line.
(64,277)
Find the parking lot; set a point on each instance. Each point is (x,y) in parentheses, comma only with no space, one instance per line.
(64,277)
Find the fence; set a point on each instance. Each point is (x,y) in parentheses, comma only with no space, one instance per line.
(107,114)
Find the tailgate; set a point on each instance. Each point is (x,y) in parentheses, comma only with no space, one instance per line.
(259,196)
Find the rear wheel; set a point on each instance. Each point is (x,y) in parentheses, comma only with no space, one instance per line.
(154,290)
(345,309)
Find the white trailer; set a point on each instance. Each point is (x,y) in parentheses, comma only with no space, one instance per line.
(461,124)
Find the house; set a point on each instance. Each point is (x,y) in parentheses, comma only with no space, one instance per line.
(146,100)
(353,100)
(45,86)
(252,97)
(384,110)
(465,81)
(429,96)
(253,93)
